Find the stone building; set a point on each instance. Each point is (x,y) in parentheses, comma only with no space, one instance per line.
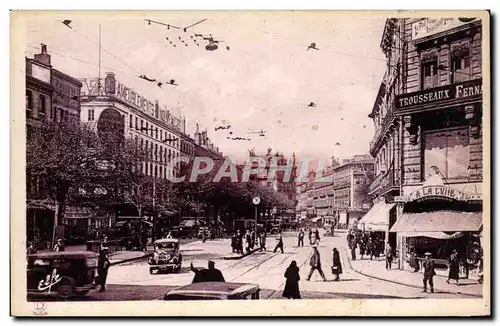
(433,121)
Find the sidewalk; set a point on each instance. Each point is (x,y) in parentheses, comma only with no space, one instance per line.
(376,269)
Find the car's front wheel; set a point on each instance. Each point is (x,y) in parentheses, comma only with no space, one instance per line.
(65,290)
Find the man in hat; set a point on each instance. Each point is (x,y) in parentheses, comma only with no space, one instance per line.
(315,263)
(211,274)
(279,242)
(429,272)
(103,264)
(59,246)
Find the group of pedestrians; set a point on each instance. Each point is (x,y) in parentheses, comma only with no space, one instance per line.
(249,241)
(368,243)
(292,273)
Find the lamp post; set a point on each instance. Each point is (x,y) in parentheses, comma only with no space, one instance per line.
(256,202)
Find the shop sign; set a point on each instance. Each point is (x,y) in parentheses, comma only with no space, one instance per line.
(431,26)
(442,191)
(468,89)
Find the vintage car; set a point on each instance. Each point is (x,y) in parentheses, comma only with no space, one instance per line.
(215,291)
(166,256)
(61,274)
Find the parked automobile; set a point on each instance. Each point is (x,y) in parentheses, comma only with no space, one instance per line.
(61,274)
(166,256)
(215,291)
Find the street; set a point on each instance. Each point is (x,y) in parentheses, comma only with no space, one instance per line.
(132,281)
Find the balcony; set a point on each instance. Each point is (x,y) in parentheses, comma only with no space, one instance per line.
(384,183)
(380,132)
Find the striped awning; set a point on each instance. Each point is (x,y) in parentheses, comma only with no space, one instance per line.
(438,221)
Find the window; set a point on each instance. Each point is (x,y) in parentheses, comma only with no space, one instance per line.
(429,75)
(156,133)
(142,125)
(156,152)
(461,68)
(29,104)
(161,154)
(447,151)
(136,123)
(41,113)
(147,128)
(90,114)
(161,135)
(130,122)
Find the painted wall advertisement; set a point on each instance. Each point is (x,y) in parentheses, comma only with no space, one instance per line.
(430,26)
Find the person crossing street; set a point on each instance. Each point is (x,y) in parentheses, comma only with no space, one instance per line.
(301,238)
(315,263)
(279,242)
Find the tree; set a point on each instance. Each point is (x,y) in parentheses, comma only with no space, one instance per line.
(61,156)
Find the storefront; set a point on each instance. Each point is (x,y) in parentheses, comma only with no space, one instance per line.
(378,219)
(439,218)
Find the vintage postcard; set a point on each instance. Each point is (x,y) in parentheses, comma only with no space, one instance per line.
(318,163)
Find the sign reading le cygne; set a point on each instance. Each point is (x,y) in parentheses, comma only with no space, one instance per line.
(467,89)
(441,191)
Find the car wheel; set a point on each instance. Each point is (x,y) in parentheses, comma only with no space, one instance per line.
(65,290)
(151,271)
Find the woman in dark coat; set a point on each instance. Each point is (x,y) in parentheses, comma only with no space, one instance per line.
(337,265)
(453,273)
(292,276)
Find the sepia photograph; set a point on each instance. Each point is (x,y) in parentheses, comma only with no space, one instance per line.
(317,163)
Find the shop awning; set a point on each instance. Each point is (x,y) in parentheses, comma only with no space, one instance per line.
(434,235)
(377,218)
(438,221)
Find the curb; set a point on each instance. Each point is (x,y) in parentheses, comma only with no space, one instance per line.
(241,256)
(402,283)
(130,259)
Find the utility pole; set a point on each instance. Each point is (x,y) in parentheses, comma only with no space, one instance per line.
(99,78)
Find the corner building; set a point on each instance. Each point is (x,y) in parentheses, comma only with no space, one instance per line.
(440,111)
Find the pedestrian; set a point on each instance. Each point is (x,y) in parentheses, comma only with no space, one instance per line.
(316,237)
(31,249)
(369,248)
(301,238)
(337,265)
(415,266)
(377,248)
(212,234)
(292,276)
(315,263)
(248,240)
(429,272)
(239,239)
(352,246)
(388,256)
(310,234)
(102,269)
(169,235)
(104,243)
(59,246)
(233,243)
(262,241)
(362,248)
(453,272)
(279,242)
(252,239)
(350,236)
(211,274)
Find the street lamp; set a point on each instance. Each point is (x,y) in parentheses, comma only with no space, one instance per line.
(256,202)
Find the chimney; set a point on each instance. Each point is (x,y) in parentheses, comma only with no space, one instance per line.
(43,57)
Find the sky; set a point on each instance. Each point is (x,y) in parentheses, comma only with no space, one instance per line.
(265,80)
